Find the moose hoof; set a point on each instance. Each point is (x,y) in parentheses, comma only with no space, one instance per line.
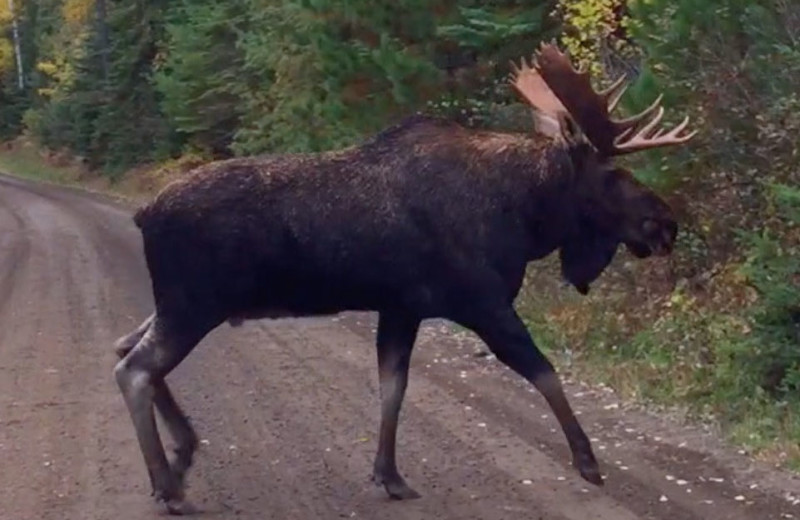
(178,507)
(395,486)
(401,491)
(589,470)
(172,498)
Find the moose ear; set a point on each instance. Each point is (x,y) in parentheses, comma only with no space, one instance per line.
(557,126)
(550,118)
(570,131)
(546,124)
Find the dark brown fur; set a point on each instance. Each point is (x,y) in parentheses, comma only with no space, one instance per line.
(427,219)
(409,218)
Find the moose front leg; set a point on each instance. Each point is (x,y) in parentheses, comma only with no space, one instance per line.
(396,335)
(507,337)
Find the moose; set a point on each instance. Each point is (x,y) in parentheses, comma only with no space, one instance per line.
(427,219)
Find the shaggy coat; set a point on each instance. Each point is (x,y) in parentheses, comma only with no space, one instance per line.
(427,216)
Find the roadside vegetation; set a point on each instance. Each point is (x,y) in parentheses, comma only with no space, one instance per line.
(25,160)
(131,94)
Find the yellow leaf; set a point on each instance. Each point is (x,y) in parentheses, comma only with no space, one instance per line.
(47,68)
(6,55)
(76,12)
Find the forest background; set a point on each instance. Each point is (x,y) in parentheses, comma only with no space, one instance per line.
(136,92)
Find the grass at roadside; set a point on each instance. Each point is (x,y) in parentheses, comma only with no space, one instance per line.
(716,355)
(23,160)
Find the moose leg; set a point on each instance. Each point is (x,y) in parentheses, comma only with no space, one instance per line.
(126,343)
(140,376)
(180,428)
(396,335)
(508,339)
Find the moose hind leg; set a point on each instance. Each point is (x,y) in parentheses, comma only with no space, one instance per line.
(178,424)
(126,343)
(396,336)
(508,339)
(180,428)
(140,376)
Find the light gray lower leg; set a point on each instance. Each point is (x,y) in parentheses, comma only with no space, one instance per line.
(393,385)
(178,424)
(395,341)
(180,429)
(140,378)
(138,391)
(126,343)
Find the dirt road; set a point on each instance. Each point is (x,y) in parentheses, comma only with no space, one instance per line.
(288,410)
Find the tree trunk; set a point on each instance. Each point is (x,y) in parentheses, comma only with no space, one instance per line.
(102,30)
(17,51)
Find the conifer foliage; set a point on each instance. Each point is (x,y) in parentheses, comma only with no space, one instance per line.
(126,82)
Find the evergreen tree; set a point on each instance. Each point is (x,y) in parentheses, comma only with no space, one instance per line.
(130,129)
(322,74)
(13,103)
(97,99)
(199,78)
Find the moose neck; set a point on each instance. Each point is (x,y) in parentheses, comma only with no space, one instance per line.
(548,197)
(559,217)
(516,197)
(586,245)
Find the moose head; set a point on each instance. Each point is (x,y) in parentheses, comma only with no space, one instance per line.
(613,207)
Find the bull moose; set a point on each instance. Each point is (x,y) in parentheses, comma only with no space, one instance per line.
(427,219)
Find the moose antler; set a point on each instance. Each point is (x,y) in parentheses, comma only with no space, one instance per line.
(553,85)
(530,84)
(548,110)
